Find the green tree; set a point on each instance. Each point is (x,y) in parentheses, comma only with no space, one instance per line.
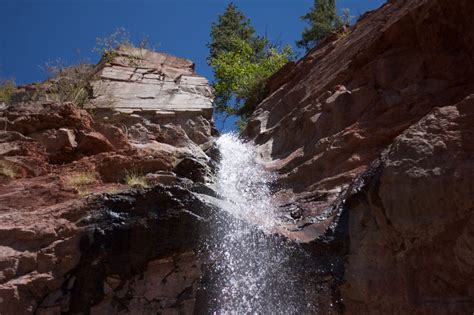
(232,24)
(323,20)
(240,78)
(242,62)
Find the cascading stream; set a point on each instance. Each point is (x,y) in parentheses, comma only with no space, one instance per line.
(243,183)
(253,270)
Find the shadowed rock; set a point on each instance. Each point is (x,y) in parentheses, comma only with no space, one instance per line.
(386,91)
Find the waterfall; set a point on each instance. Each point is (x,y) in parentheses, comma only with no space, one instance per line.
(243,183)
(253,270)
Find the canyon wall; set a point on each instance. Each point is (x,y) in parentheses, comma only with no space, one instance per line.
(97,213)
(371,135)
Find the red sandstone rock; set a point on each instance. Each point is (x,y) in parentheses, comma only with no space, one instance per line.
(340,106)
(413,221)
(56,140)
(91,143)
(387,90)
(56,162)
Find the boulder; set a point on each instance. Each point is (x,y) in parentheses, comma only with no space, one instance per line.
(56,140)
(91,143)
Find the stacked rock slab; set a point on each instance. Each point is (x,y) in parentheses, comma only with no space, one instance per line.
(136,79)
(160,88)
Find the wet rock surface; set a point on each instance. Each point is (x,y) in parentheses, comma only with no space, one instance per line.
(395,89)
(142,254)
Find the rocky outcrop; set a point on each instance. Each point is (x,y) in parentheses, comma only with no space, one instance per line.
(97,213)
(138,79)
(164,87)
(370,134)
(411,221)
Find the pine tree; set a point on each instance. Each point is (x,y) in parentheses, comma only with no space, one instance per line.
(323,20)
(242,62)
(232,24)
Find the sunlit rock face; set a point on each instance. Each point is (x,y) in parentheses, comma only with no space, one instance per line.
(136,79)
(77,235)
(391,100)
(162,88)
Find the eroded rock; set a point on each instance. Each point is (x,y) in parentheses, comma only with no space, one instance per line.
(74,237)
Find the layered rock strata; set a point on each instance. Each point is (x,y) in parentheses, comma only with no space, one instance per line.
(138,79)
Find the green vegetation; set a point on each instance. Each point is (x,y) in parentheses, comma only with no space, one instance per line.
(7,88)
(323,21)
(107,46)
(232,24)
(68,91)
(240,78)
(242,63)
(68,83)
(136,180)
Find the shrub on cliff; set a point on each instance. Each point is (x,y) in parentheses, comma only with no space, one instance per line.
(68,83)
(7,88)
(7,169)
(323,20)
(107,46)
(242,62)
(135,180)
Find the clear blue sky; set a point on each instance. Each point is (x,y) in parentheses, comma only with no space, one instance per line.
(36,31)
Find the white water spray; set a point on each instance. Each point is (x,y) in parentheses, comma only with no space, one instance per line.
(252,269)
(244,183)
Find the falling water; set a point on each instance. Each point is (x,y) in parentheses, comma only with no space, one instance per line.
(253,269)
(244,183)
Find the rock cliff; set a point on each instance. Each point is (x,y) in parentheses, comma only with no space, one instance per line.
(96,209)
(103,171)
(371,135)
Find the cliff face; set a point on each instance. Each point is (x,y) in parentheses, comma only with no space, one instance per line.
(371,136)
(80,230)
(154,84)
